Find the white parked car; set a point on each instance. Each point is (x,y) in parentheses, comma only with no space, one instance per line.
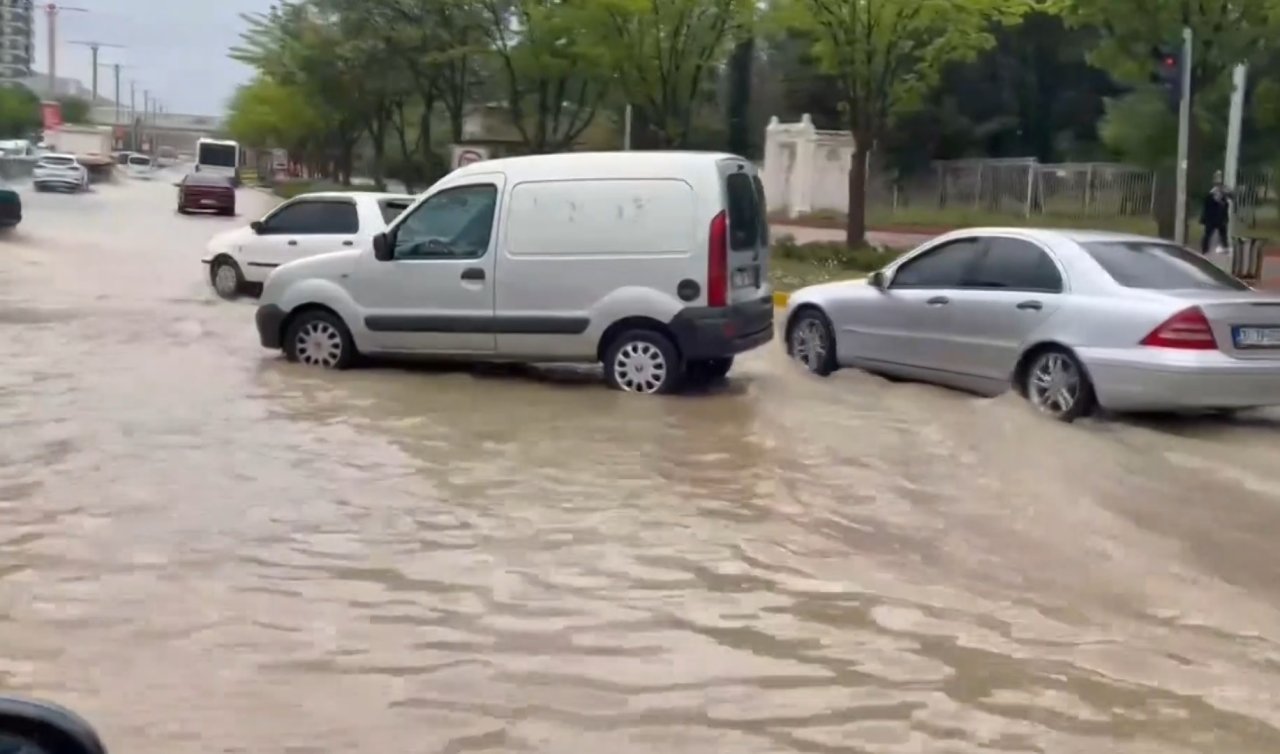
(654,263)
(60,171)
(304,226)
(140,166)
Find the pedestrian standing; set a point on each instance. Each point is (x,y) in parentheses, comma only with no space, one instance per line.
(1215,214)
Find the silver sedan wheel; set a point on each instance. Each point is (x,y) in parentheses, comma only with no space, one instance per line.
(809,344)
(1054,384)
(225,281)
(640,367)
(319,344)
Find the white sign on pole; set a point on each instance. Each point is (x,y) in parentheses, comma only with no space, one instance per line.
(465,155)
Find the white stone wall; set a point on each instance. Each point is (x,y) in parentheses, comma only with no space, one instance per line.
(805,169)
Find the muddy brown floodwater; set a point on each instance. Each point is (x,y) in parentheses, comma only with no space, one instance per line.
(205,549)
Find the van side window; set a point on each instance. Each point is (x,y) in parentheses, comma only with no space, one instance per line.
(454,224)
(744,212)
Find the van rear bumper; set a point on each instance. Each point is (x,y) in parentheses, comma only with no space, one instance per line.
(703,332)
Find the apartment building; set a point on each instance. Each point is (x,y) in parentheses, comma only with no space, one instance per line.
(17,39)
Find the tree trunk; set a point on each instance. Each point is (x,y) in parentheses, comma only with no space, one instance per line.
(855,233)
(738,109)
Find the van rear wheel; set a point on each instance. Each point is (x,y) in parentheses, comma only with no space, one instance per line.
(643,361)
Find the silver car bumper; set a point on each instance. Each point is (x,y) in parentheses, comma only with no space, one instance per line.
(1148,379)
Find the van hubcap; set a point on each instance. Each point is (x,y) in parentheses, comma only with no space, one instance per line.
(1054,386)
(809,344)
(318,344)
(640,367)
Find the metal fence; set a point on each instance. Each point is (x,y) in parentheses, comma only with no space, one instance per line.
(1026,188)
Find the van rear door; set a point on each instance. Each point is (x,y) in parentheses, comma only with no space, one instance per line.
(748,231)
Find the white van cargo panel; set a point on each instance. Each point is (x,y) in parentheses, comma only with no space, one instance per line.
(602,218)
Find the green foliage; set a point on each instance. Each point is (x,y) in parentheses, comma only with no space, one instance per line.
(662,54)
(19,112)
(1141,127)
(268,113)
(886,55)
(74,109)
(795,265)
(554,70)
(1225,32)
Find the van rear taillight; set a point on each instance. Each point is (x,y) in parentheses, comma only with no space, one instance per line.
(1187,330)
(718,261)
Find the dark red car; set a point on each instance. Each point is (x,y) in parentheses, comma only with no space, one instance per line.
(201,192)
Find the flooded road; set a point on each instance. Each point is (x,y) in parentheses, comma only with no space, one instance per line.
(205,549)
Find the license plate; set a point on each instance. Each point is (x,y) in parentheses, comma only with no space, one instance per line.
(746,278)
(208,201)
(1256,337)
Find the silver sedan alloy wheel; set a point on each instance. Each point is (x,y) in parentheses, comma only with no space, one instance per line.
(318,344)
(809,344)
(1054,383)
(640,367)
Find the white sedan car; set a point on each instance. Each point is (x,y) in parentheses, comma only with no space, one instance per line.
(1071,320)
(307,225)
(60,171)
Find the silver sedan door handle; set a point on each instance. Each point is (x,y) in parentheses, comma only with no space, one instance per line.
(938,301)
(1031,305)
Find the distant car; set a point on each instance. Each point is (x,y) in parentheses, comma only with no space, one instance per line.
(60,171)
(10,207)
(1068,319)
(205,192)
(304,226)
(140,166)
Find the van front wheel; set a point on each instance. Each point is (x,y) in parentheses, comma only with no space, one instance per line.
(643,361)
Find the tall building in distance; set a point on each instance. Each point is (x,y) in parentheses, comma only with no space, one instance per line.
(17,39)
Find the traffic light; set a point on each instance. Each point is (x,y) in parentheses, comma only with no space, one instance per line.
(1168,73)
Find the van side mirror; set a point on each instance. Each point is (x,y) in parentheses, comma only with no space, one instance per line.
(382,247)
(256,226)
(878,280)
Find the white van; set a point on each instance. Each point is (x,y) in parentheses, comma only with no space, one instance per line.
(654,263)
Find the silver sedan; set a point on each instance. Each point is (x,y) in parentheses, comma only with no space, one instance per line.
(1071,320)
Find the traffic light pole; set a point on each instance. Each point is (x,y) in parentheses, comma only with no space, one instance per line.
(1184,140)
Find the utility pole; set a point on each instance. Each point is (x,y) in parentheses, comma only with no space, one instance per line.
(115,68)
(51,11)
(93,49)
(1184,139)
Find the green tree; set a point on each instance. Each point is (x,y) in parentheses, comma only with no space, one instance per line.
(553,71)
(663,53)
(268,113)
(886,55)
(20,113)
(301,46)
(74,109)
(1224,33)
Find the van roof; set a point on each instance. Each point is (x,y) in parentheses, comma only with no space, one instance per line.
(580,163)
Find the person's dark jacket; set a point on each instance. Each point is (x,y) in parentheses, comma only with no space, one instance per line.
(1216,210)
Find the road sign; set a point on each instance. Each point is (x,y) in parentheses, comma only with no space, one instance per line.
(463,156)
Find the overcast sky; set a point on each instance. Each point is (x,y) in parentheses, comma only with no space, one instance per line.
(175,48)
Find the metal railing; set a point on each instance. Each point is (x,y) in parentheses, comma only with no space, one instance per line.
(1024,189)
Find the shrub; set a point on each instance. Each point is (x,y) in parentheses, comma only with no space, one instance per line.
(834,255)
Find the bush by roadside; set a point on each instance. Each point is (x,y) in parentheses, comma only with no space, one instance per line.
(795,265)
